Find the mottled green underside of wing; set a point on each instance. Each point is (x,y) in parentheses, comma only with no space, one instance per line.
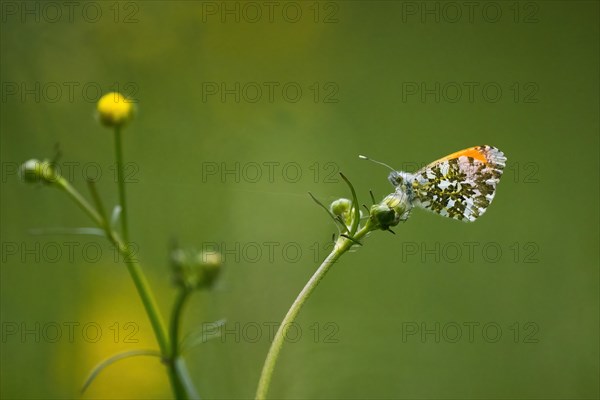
(461,188)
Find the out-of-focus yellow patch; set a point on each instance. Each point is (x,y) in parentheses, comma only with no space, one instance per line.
(111,324)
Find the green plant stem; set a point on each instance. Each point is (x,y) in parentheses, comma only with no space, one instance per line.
(341,247)
(134,268)
(184,387)
(176,384)
(99,205)
(180,301)
(121,183)
(140,281)
(186,383)
(80,201)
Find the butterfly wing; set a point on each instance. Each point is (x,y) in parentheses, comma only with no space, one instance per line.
(461,185)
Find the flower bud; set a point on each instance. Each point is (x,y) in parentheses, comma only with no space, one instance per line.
(33,171)
(392,209)
(210,263)
(343,208)
(195,270)
(114,109)
(340,207)
(383,217)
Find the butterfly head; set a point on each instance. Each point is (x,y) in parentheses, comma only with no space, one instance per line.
(402,181)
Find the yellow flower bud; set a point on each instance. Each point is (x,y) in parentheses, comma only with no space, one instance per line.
(114,109)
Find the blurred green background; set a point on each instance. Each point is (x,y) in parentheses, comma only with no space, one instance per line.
(378,78)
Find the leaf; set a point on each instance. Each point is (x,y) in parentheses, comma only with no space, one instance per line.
(200,335)
(337,220)
(111,360)
(67,231)
(116,215)
(356,219)
(186,379)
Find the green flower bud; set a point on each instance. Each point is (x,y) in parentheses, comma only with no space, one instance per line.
(383,217)
(340,207)
(343,208)
(392,209)
(195,270)
(33,171)
(210,263)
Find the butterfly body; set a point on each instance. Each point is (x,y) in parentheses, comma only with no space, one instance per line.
(460,186)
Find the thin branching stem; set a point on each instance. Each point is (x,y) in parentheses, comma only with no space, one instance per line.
(341,247)
(140,281)
(185,386)
(180,301)
(80,201)
(99,204)
(121,183)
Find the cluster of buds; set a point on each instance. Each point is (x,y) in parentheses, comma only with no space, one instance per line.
(392,210)
(195,269)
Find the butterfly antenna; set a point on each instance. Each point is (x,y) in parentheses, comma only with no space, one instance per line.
(375,161)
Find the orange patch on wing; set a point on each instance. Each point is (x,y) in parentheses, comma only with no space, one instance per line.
(473,152)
